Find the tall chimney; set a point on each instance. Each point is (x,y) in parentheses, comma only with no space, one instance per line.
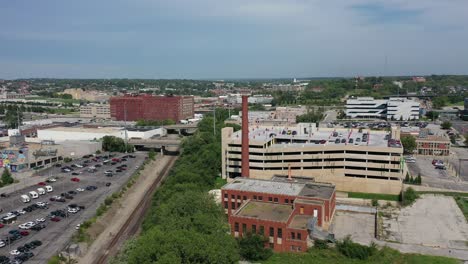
(245,172)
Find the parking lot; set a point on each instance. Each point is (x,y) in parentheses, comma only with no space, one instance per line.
(55,235)
(360,226)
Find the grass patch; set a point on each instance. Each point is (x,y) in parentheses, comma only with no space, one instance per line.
(219,182)
(377,196)
(331,256)
(462,203)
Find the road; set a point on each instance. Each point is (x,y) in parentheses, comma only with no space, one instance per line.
(57,234)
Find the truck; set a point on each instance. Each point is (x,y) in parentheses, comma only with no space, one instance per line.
(25,198)
(33,195)
(48,188)
(41,191)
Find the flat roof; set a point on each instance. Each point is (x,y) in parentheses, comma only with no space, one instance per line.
(106,130)
(283,134)
(282,187)
(266,211)
(300,221)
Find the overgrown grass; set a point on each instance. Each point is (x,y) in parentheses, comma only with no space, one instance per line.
(377,196)
(462,203)
(332,256)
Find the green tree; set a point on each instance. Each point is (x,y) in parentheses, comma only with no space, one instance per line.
(407,178)
(6,177)
(252,247)
(432,115)
(409,143)
(152,154)
(439,102)
(418,180)
(115,144)
(446,125)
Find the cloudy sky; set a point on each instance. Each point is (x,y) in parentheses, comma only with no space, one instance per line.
(231,38)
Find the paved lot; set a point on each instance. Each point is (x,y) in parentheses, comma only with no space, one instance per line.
(434,221)
(56,235)
(360,226)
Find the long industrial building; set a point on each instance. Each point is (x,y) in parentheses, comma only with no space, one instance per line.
(391,109)
(148,107)
(353,160)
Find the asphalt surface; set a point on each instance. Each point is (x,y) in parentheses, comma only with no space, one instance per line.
(56,235)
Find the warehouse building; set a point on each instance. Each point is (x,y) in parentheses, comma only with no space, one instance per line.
(285,210)
(99,111)
(95,133)
(148,107)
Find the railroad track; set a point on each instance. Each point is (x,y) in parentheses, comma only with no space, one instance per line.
(135,219)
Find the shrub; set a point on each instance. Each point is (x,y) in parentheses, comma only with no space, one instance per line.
(354,250)
(108,201)
(67,159)
(375,202)
(320,244)
(252,247)
(409,196)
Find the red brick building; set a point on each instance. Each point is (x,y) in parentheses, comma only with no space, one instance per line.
(285,211)
(150,107)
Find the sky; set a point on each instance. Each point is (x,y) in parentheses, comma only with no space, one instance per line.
(229,39)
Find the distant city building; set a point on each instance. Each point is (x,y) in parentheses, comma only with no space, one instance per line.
(148,107)
(12,95)
(254,99)
(419,79)
(100,111)
(393,108)
(286,211)
(88,95)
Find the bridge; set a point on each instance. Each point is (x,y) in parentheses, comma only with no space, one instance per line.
(155,143)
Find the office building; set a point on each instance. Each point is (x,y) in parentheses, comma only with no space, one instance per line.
(148,107)
(390,109)
(99,111)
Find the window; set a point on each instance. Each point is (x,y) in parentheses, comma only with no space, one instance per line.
(226,205)
(236,227)
(233,205)
(238,197)
(270,199)
(225,195)
(260,198)
(276,200)
(255,197)
(280,233)
(286,201)
(238,204)
(244,229)
(299,236)
(244,198)
(272,231)
(262,230)
(233,196)
(254,229)
(293,235)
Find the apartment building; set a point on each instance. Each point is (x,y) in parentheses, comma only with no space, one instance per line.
(353,160)
(285,210)
(391,109)
(100,111)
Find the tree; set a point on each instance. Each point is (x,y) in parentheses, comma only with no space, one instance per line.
(409,196)
(252,247)
(152,154)
(432,115)
(407,178)
(418,180)
(439,102)
(446,125)
(6,177)
(115,144)
(409,143)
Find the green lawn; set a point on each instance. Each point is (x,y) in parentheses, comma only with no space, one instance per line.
(331,256)
(378,196)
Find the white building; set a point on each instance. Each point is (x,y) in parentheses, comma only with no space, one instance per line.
(366,107)
(402,109)
(95,133)
(393,108)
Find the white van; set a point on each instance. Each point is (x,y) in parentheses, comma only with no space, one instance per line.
(33,195)
(49,188)
(25,198)
(41,191)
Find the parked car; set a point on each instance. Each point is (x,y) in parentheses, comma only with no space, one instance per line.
(108,184)
(74,179)
(55,219)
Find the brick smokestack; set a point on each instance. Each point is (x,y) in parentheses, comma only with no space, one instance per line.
(245,137)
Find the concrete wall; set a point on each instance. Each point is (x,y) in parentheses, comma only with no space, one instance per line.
(77,149)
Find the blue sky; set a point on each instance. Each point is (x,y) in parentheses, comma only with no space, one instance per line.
(231,38)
